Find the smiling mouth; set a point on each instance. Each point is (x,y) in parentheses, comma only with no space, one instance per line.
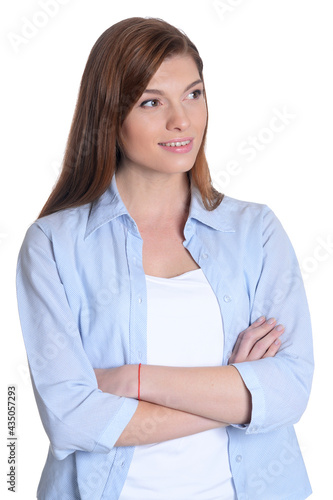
(174,144)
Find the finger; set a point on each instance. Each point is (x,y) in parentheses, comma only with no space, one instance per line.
(273,349)
(252,335)
(255,324)
(260,348)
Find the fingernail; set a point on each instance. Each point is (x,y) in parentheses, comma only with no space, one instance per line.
(261,319)
(277,342)
(280,328)
(271,321)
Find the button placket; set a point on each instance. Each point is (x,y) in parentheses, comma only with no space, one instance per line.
(137,344)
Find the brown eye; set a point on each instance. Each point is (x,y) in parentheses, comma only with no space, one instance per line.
(196,94)
(151,103)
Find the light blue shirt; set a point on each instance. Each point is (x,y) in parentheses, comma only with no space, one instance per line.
(82,302)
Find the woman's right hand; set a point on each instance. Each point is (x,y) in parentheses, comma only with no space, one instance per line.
(260,340)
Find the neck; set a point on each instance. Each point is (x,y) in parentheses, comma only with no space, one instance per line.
(161,197)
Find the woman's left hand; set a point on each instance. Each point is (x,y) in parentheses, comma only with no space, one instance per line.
(259,340)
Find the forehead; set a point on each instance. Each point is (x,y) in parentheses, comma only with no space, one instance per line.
(178,68)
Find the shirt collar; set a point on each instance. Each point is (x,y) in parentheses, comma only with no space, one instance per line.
(218,219)
(109,206)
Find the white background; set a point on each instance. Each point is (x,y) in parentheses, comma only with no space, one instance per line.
(260,56)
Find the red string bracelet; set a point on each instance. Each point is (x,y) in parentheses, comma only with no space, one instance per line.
(139,381)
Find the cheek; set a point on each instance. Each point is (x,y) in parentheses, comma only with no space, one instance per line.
(137,143)
(138,134)
(200,118)
(201,123)
(130,138)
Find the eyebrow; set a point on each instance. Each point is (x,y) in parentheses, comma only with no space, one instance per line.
(160,92)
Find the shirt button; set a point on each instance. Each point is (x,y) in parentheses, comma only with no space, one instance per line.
(204,256)
(139,354)
(139,300)
(239,458)
(227,298)
(254,428)
(122,463)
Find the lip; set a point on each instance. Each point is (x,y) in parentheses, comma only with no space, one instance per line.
(178,149)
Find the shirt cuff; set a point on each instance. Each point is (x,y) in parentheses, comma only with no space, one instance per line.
(258,412)
(110,436)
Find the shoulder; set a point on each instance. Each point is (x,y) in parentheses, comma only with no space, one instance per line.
(234,205)
(64,225)
(240,213)
(256,221)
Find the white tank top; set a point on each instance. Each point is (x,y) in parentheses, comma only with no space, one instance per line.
(184,328)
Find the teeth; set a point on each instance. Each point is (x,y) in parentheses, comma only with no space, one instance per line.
(175,144)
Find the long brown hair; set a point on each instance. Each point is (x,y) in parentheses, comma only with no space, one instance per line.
(120,65)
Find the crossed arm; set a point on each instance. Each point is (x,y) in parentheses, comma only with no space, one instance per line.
(176,402)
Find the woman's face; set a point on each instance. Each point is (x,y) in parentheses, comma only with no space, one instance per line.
(164,130)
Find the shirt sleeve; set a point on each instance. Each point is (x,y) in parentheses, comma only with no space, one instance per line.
(279,386)
(75,414)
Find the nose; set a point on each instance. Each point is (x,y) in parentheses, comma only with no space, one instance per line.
(177,118)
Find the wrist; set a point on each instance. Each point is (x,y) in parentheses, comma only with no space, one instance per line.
(139,382)
(130,381)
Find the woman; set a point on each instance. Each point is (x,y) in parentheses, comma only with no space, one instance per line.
(140,288)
